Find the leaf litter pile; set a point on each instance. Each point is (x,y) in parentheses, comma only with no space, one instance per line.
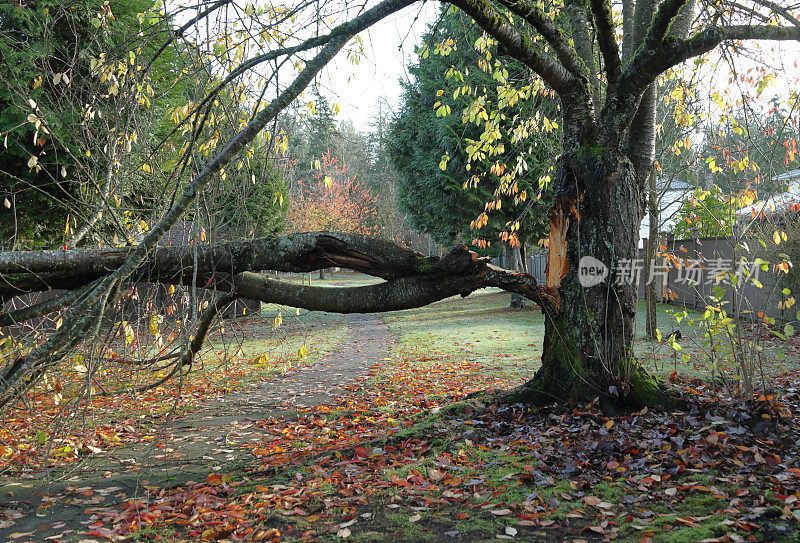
(395,460)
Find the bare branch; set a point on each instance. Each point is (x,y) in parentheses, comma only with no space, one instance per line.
(662,20)
(604,21)
(551,32)
(204,325)
(781,10)
(42,308)
(186,26)
(649,63)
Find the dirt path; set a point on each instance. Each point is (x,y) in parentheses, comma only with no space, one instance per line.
(205,441)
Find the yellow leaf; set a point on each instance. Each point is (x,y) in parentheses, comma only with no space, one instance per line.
(154,325)
(610,423)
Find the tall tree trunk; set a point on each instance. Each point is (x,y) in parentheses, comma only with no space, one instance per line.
(642,144)
(588,333)
(653,241)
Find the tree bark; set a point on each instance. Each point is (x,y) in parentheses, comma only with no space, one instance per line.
(589,330)
(513,261)
(412,280)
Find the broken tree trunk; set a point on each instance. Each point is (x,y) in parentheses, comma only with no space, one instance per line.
(412,279)
(589,329)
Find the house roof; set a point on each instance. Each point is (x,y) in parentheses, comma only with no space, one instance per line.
(779,203)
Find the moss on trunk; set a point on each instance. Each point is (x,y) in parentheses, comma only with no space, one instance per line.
(589,332)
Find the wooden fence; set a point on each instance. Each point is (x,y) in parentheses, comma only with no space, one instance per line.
(709,255)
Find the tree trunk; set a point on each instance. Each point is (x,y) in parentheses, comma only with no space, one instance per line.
(650,293)
(589,332)
(511,260)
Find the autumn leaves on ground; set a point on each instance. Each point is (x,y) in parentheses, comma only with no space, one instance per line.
(400,455)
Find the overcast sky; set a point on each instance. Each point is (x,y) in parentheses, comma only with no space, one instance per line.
(389,48)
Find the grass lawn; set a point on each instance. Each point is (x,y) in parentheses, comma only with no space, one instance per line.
(238,351)
(482,327)
(396,461)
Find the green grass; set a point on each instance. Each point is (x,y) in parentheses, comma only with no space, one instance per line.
(482,327)
(338,279)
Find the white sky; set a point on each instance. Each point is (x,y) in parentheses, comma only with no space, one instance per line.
(389,49)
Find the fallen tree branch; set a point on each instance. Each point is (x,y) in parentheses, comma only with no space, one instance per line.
(413,280)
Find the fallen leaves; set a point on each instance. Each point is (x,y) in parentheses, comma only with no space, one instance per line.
(563,458)
(565,472)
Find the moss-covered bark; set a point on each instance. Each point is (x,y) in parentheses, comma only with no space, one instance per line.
(589,331)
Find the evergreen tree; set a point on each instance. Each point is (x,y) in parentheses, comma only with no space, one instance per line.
(444,202)
(57,117)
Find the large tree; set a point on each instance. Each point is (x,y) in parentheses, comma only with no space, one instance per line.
(607,154)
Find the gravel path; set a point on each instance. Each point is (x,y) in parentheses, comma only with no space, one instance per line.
(208,440)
